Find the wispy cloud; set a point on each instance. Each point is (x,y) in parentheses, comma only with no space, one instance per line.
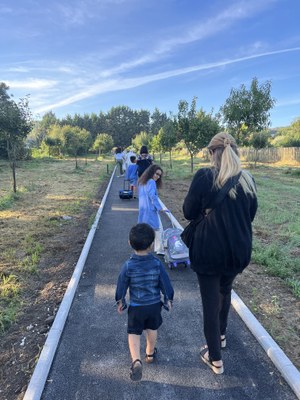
(216,24)
(201,31)
(32,84)
(288,102)
(122,84)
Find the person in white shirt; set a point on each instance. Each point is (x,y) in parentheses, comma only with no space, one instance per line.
(119,157)
(129,154)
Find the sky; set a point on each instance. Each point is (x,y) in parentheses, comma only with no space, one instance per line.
(87,56)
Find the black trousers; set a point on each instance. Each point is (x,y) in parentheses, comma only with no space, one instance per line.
(215,292)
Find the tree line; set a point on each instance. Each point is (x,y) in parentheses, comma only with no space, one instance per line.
(245,114)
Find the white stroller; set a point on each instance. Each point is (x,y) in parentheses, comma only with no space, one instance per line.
(176,251)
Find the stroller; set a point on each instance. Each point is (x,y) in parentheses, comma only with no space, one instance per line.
(176,251)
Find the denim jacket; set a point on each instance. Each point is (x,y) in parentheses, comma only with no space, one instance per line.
(146,278)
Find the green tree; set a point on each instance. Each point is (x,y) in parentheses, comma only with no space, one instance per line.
(157,121)
(156,147)
(248,111)
(142,139)
(194,128)
(259,140)
(74,141)
(15,125)
(103,143)
(168,138)
(123,124)
(289,136)
(54,141)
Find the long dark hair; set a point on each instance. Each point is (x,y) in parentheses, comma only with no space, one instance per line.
(149,173)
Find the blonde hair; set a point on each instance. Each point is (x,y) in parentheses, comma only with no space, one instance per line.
(227,163)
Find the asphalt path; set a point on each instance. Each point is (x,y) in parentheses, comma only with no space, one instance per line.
(92,361)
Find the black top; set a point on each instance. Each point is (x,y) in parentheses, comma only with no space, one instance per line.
(143,162)
(223,240)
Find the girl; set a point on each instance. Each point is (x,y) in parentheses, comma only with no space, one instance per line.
(149,206)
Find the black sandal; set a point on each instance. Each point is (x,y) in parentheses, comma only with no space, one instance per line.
(149,358)
(136,370)
(208,361)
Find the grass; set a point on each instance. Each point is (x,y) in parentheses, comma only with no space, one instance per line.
(9,300)
(7,200)
(33,250)
(47,190)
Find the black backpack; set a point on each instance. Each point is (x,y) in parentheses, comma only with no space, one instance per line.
(142,165)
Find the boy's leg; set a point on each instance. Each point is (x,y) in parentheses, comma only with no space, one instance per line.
(151,337)
(136,370)
(134,346)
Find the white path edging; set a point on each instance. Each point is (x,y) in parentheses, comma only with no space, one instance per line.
(285,366)
(37,382)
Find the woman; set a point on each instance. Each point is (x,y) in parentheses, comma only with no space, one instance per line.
(222,242)
(149,205)
(144,160)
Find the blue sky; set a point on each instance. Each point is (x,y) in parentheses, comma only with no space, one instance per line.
(85,56)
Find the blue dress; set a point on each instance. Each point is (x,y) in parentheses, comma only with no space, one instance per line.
(149,205)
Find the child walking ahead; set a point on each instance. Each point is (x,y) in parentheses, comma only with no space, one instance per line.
(146,278)
(131,175)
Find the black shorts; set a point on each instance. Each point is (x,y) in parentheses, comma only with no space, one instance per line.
(144,317)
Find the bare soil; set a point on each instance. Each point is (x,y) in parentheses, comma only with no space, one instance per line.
(269,299)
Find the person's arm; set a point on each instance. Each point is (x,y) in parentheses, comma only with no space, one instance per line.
(199,192)
(122,286)
(253,207)
(151,189)
(165,284)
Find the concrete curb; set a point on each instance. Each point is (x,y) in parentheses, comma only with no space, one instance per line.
(284,365)
(37,382)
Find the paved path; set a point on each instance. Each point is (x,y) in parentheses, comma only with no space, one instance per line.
(92,361)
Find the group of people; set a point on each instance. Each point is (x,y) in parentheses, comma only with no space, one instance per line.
(220,250)
(133,165)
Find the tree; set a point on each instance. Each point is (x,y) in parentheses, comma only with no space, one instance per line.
(15,125)
(123,124)
(54,141)
(167,138)
(195,129)
(289,136)
(75,140)
(259,140)
(248,111)
(142,139)
(158,120)
(156,147)
(103,143)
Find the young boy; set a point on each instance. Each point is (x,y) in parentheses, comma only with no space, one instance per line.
(146,278)
(131,175)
